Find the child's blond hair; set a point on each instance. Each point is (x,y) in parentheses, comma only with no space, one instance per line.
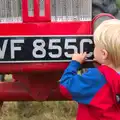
(107,36)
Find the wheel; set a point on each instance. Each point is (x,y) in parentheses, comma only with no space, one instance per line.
(106,6)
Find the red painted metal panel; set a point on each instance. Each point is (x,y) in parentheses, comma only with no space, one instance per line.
(50,28)
(24,10)
(42,83)
(32,67)
(36,8)
(37,67)
(36,17)
(13,91)
(32,87)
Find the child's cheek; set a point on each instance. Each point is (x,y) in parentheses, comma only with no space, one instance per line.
(96,55)
(94,52)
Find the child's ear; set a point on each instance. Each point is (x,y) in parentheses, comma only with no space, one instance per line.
(104,54)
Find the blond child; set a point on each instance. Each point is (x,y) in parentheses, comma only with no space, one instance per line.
(97,90)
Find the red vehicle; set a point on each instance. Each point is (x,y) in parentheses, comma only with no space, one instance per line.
(37,47)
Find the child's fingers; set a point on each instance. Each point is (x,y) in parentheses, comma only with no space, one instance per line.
(84,54)
(94,59)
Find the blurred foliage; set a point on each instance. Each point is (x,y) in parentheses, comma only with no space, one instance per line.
(118,3)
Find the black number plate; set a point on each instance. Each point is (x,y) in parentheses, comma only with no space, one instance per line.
(44,49)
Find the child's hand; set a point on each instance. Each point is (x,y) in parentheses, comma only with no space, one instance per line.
(79,57)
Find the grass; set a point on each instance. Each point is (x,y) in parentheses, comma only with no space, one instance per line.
(58,110)
(38,110)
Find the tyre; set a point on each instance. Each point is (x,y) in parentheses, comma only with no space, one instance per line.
(106,6)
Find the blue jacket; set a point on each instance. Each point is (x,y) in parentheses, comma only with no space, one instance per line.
(92,90)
